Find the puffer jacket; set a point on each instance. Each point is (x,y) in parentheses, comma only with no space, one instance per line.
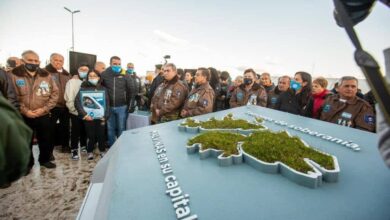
(287,102)
(71,90)
(121,88)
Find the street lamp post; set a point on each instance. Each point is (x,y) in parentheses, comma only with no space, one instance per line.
(72,12)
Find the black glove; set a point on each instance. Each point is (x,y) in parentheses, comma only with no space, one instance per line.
(131,109)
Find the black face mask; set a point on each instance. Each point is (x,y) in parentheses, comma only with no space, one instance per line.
(31,67)
(248,81)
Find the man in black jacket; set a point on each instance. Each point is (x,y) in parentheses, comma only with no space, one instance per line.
(156,81)
(287,102)
(273,95)
(60,113)
(121,93)
(7,90)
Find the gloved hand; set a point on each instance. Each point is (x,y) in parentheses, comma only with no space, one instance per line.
(131,109)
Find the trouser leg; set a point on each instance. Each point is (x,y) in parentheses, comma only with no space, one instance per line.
(121,120)
(100,136)
(83,133)
(90,129)
(44,138)
(64,127)
(30,123)
(111,126)
(54,117)
(75,131)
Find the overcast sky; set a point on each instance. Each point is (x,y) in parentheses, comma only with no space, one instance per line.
(280,37)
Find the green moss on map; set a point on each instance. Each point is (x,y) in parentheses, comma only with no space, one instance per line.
(219,141)
(271,147)
(226,123)
(266,146)
(260,120)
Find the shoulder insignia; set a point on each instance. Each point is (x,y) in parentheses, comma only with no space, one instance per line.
(240,96)
(369,119)
(20,82)
(274,100)
(205,102)
(326,108)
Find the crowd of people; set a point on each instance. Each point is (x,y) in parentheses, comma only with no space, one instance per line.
(211,90)
(52,103)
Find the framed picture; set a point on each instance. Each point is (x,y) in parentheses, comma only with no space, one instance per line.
(94,103)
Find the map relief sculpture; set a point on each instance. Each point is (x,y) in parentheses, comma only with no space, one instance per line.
(234,141)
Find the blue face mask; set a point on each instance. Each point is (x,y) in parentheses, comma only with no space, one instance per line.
(93,81)
(247,81)
(294,85)
(130,71)
(116,69)
(83,75)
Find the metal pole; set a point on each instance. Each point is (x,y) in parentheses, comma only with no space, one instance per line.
(387,63)
(72,12)
(72,33)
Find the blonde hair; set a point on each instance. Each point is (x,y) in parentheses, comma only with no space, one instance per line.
(321,81)
(239,78)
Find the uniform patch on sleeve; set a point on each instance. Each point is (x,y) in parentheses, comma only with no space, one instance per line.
(20,82)
(326,108)
(178,93)
(274,100)
(55,78)
(240,96)
(205,102)
(369,119)
(194,97)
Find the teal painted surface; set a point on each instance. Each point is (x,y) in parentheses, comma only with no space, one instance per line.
(134,186)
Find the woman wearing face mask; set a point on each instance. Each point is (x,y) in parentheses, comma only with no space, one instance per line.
(295,99)
(77,131)
(93,109)
(303,92)
(249,93)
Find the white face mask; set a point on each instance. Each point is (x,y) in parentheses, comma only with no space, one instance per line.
(82,74)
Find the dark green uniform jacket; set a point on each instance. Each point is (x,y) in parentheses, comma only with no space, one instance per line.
(15,137)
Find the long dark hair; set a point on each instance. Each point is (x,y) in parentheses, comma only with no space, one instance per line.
(180,73)
(304,95)
(214,77)
(89,73)
(306,77)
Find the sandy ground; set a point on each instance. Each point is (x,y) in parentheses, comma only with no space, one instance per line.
(49,193)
